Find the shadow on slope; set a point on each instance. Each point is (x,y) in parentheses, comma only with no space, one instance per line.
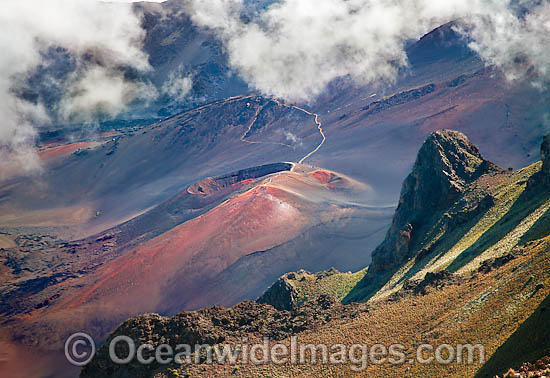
(447,232)
(340,243)
(527,203)
(539,229)
(530,342)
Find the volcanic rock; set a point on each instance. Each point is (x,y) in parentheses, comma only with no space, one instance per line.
(446,164)
(281,295)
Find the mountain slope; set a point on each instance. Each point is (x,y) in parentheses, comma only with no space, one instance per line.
(529,343)
(204,237)
(178,50)
(477,276)
(485,219)
(446,164)
(130,172)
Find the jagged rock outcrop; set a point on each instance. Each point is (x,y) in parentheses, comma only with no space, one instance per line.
(539,368)
(295,289)
(212,326)
(446,164)
(488,266)
(282,295)
(432,280)
(543,177)
(545,156)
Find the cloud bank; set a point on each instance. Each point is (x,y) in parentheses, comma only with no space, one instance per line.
(290,49)
(518,44)
(103,40)
(294,48)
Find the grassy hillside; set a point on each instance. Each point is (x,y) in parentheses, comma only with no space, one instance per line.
(494,215)
(530,342)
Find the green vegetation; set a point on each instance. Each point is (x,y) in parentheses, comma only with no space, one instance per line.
(494,215)
(310,286)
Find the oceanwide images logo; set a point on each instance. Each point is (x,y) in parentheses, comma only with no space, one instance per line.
(123,350)
(79,349)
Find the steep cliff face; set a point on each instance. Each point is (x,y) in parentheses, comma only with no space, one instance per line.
(445,165)
(545,155)
(543,177)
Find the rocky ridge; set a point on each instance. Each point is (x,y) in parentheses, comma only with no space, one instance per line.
(445,165)
(214,326)
(282,295)
(545,156)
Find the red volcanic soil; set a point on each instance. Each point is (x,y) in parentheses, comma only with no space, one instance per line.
(195,251)
(63,150)
(172,271)
(236,180)
(324,177)
(108,134)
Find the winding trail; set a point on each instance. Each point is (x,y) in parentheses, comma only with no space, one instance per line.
(258,111)
(318,123)
(320,127)
(244,139)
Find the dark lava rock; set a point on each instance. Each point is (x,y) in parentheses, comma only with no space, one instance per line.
(282,295)
(435,280)
(399,99)
(543,177)
(491,264)
(326,273)
(446,164)
(211,326)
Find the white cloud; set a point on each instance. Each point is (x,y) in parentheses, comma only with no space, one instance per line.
(178,86)
(296,47)
(292,50)
(102,38)
(292,138)
(97,92)
(517,44)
